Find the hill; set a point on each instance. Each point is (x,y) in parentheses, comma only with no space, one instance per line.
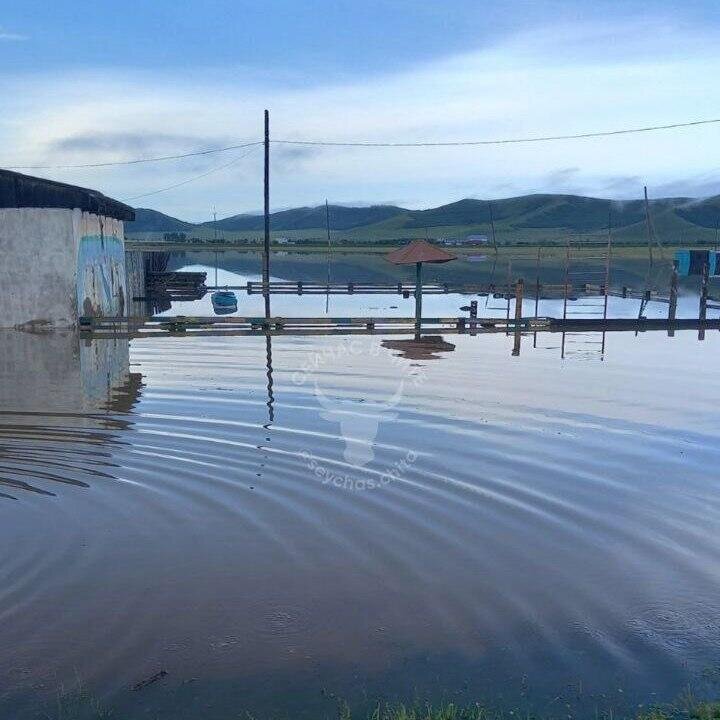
(147,220)
(342,218)
(528,218)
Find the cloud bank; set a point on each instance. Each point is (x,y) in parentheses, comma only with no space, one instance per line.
(555,80)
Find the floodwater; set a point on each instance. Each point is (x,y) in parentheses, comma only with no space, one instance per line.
(279,522)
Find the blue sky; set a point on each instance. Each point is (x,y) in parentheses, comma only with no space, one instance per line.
(86,82)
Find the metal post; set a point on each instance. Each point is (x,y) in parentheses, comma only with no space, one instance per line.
(418,297)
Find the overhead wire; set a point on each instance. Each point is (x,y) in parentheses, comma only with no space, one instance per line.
(506,141)
(192,179)
(373,144)
(136,161)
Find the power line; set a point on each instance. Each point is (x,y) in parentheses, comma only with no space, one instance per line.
(194,178)
(507,141)
(136,161)
(363,143)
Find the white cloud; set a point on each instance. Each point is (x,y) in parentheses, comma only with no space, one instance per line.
(555,80)
(11,36)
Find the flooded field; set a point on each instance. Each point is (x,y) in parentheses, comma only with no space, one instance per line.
(269,524)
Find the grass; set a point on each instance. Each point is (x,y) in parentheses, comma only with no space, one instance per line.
(682,711)
(78,704)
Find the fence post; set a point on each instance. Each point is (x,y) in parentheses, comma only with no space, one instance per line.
(519,291)
(672,307)
(703,301)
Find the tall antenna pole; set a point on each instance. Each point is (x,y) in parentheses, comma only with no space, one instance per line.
(266,248)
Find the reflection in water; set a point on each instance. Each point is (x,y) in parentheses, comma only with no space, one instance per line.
(59,400)
(427,347)
(270,396)
(531,519)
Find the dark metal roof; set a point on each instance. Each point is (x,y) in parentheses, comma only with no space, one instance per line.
(419,251)
(24,191)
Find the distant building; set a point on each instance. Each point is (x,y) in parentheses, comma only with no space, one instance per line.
(284,241)
(62,250)
(468,240)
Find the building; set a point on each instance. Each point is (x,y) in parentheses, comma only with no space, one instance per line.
(468,240)
(62,253)
(477,240)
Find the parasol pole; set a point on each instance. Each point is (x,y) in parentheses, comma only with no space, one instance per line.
(418,297)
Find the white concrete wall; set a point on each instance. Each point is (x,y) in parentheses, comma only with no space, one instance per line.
(56,264)
(37,267)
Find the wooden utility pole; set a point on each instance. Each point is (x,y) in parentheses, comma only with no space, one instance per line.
(266,248)
(519,288)
(492,227)
(327,277)
(672,305)
(702,316)
(648,222)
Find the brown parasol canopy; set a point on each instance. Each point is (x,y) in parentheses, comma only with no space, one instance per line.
(419,251)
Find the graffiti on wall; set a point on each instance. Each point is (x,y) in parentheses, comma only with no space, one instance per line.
(101,275)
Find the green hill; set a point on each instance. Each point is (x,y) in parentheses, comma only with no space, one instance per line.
(525,219)
(341,218)
(153,221)
(705,213)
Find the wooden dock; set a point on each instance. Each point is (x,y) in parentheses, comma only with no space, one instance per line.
(178,325)
(544,291)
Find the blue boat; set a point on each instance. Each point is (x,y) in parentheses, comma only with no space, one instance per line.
(224,302)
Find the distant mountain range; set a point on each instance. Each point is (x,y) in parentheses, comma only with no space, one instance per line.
(531,216)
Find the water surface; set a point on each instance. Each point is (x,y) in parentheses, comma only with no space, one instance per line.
(273,521)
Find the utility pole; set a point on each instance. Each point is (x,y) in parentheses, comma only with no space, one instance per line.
(648,222)
(266,249)
(327,280)
(492,227)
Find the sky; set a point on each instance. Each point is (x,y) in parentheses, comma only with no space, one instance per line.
(95,82)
